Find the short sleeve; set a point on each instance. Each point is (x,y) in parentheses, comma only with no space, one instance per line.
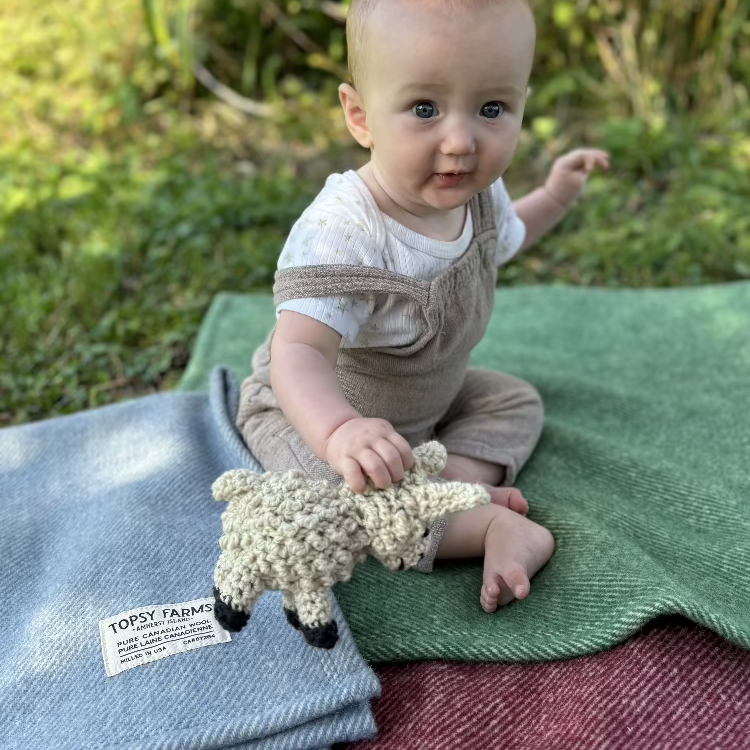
(323,237)
(511,231)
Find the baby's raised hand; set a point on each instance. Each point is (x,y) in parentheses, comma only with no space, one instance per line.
(570,172)
(365,447)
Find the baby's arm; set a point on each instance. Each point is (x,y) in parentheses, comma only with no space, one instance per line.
(543,208)
(303,360)
(303,356)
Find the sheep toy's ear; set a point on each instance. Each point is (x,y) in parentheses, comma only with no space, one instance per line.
(236,483)
(442,498)
(430,457)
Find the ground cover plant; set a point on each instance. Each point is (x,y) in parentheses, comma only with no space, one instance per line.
(130,193)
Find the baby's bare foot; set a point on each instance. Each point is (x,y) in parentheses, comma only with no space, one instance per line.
(515,548)
(508,497)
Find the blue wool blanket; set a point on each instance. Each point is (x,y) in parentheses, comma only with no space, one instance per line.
(109,510)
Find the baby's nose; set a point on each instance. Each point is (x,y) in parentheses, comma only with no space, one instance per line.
(458,139)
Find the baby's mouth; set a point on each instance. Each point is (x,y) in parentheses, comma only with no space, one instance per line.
(451,178)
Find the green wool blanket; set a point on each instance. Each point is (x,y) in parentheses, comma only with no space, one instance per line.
(642,474)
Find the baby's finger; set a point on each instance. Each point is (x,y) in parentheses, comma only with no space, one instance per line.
(353,475)
(403,447)
(602,159)
(598,156)
(591,161)
(372,464)
(391,458)
(575,156)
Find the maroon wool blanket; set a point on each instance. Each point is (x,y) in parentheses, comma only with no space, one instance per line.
(674,685)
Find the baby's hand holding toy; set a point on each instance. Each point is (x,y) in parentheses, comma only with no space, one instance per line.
(365,447)
(286,532)
(570,172)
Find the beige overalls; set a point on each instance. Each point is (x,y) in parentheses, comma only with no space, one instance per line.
(426,389)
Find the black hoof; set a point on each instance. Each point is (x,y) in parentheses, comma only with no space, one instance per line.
(292,619)
(230,619)
(324,636)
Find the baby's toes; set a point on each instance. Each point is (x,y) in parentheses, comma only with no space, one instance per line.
(501,588)
(500,594)
(491,590)
(517,502)
(508,497)
(517,583)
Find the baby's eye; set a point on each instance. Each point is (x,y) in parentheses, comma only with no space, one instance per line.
(424,110)
(492,110)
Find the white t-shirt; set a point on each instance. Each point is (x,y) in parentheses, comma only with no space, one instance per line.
(343,225)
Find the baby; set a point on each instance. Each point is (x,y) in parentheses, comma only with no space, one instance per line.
(387,280)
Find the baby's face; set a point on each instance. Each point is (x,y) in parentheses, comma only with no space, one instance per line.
(444,95)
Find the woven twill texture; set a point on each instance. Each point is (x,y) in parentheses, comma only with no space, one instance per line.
(675,686)
(111,509)
(286,532)
(641,475)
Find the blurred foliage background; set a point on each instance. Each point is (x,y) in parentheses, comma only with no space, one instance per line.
(155,152)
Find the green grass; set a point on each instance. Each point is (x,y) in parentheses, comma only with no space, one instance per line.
(671,211)
(106,275)
(127,203)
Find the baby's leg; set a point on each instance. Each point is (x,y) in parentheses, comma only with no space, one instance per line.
(467,469)
(277,446)
(514,549)
(490,430)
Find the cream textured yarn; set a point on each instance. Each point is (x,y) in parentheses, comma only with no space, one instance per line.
(284,531)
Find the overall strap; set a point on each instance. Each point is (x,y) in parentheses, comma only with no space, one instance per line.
(482,212)
(299,282)
(332,280)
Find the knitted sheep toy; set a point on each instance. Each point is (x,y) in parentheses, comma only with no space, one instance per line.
(284,531)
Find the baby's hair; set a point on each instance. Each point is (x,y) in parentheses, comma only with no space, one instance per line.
(360,12)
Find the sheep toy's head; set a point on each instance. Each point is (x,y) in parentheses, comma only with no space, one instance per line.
(399,517)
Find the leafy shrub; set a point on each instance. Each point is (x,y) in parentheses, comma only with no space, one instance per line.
(644,58)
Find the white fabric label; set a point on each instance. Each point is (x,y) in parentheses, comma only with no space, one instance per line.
(143,635)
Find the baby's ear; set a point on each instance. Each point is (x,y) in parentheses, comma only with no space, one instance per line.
(236,483)
(355,115)
(430,457)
